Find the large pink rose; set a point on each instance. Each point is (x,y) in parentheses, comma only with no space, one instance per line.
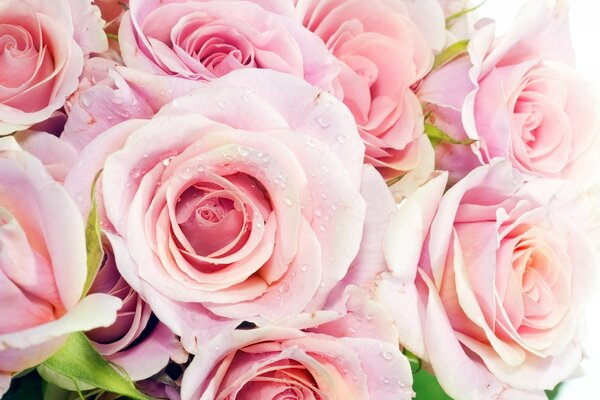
(317,356)
(382,54)
(241,201)
(206,39)
(494,297)
(136,342)
(530,105)
(42,49)
(42,266)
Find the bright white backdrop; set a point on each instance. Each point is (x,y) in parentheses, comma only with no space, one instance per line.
(585,27)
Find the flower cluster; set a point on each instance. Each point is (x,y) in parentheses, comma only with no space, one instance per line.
(294,199)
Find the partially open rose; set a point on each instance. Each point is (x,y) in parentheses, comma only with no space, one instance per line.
(205,39)
(355,356)
(530,104)
(241,201)
(42,266)
(382,54)
(42,49)
(494,297)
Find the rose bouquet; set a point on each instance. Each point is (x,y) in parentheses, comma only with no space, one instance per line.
(292,199)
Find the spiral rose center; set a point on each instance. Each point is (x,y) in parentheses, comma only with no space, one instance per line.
(210,218)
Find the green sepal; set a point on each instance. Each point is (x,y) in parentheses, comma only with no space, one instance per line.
(450,53)
(437,136)
(93,241)
(459,14)
(79,361)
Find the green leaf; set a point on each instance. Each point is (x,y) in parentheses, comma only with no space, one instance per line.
(450,53)
(79,361)
(427,387)
(553,393)
(437,136)
(459,14)
(93,241)
(415,362)
(63,382)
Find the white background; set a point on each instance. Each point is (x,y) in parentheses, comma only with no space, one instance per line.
(585,28)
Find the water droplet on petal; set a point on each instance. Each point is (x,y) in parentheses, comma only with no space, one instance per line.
(86,99)
(310,142)
(79,198)
(243,151)
(117,100)
(387,355)
(341,139)
(246,98)
(323,122)
(368,317)
(166,162)
(304,268)
(288,201)
(283,288)
(221,104)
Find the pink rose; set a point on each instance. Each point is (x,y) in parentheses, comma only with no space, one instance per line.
(136,342)
(354,356)
(494,297)
(382,54)
(109,94)
(530,105)
(240,202)
(204,39)
(42,266)
(42,49)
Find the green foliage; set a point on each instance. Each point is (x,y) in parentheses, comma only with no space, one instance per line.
(427,387)
(450,53)
(437,136)
(79,361)
(93,240)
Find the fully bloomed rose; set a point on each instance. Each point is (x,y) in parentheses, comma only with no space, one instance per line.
(355,356)
(42,266)
(382,54)
(240,202)
(206,39)
(530,104)
(136,342)
(42,49)
(494,297)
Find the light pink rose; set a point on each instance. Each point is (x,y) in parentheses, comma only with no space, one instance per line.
(530,105)
(109,94)
(494,297)
(42,51)
(137,341)
(42,266)
(205,39)
(382,54)
(240,202)
(353,356)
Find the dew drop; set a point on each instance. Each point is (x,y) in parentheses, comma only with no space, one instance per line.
(200,168)
(304,268)
(288,201)
(284,288)
(86,99)
(246,98)
(243,151)
(387,355)
(221,104)
(166,162)
(310,142)
(386,380)
(341,139)
(323,122)
(79,198)
(368,317)
(117,100)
